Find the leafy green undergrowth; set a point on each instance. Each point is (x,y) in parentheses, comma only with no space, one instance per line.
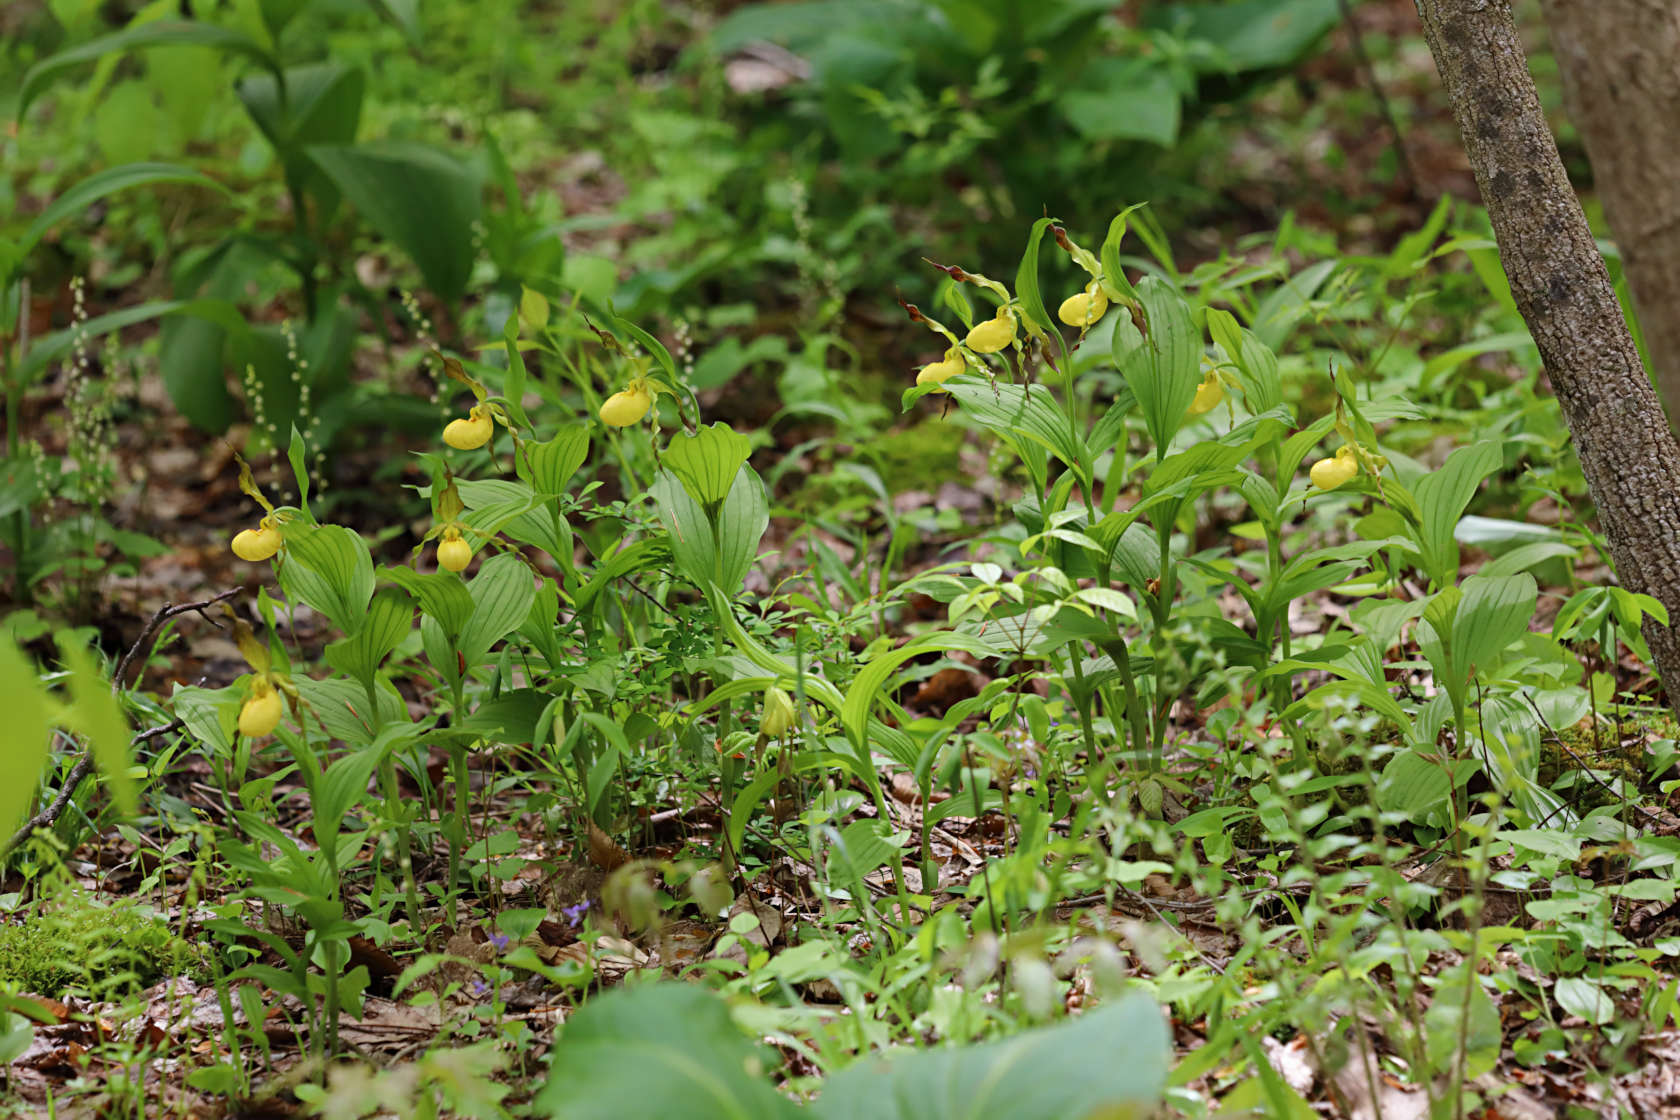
(76,946)
(1237,713)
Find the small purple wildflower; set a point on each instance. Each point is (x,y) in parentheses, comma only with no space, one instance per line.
(574,914)
(499,940)
(479,988)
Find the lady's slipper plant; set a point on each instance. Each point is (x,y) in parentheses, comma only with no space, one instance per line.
(453,553)
(994,334)
(264,703)
(629,405)
(260,714)
(257,544)
(472,432)
(1327,474)
(475,429)
(265,540)
(937,373)
(777,717)
(1084,309)
(1208,394)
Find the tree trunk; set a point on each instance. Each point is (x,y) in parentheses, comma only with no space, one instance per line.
(1620,61)
(1628,454)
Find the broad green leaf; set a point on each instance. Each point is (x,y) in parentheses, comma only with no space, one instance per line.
(208,714)
(514,378)
(1527,556)
(102,184)
(344,784)
(416,196)
(1165,370)
(405,14)
(442,596)
(1377,699)
(320,103)
(502,592)
(1250,34)
(1449,360)
(1021,413)
(188,83)
(328,567)
(740,527)
(1115,283)
(509,718)
(651,344)
(1442,497)
(1257,366)
(163,33)
(389,619)
(549,467)
(1493,612)
(670,1048)
(1578,995)
(863,846)
(128,125)
(342,707)
(1124,99)
(707,462)
(1413,785)
(28,735)
(1110,1061)
(1027,291)
(1411,250)
(693,540)
(1115,602)
(190,354)
(867,687)
(95,713)
(1545,841)
(500,506)
(1446,1026)
(1278,313)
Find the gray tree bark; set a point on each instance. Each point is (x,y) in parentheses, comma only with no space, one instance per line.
(1562,289)
(1620,61)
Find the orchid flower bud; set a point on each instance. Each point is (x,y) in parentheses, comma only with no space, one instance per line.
(777,718)
(453,553)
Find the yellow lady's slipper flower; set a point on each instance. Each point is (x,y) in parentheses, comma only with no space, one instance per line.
(937,373)
(994,334)
(1327,474)
(778,715)
(453,553)
(1208,394)
(1084,308)
(627,406)
(259,543)
(261,712)
(473,431)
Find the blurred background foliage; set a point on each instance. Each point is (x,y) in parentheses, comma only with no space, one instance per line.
(758,183)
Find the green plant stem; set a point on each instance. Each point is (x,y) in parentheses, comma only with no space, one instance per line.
(1083,704)
(405,847)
